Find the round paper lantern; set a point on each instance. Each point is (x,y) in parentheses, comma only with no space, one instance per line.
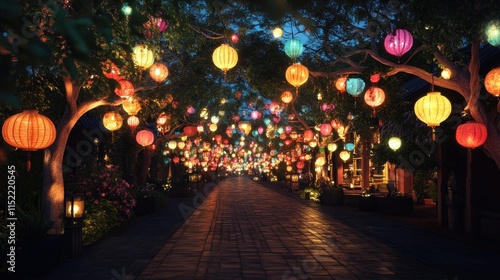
(214,119)
(340,84)
(432,109)
(492,82)
(112,121)
(308,135)
(288,129)
(326,129)
(260,130)
(190,130)
(245,127)
(277,32)
(335,124)
(297,74)
(200,128)
(293,48)
(133,122)
(113,73)
(394,143)
(300,165)
(142,56)
(145,137)
(162,119)
(212,127)
(286,97)
(332,147)
(158,72)
(398,42)
(255,115)
(125,89)
(172,145)
(320,161)
(374,96)
(349,147)
(229,131)
(344,155)
(181,145)
(355,86)
(446,74)
(471,134)
(235,38)
(176,159)
(131,106)
(225,57)
(29,131)
(283,136)
(493,33)
(375,78)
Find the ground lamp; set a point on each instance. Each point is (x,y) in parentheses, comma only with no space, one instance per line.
(74,209)
(29,131)
(432,109)
(297,74)
(225,57)
(471,135)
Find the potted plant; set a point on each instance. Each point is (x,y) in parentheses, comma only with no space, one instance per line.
(331,194)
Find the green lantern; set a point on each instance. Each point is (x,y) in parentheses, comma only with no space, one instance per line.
(293,48)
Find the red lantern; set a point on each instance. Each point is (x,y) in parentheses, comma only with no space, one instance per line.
(308,135)
(335,124)
(300,165)
(125,89)
(145,137)
(398,42)
(375,78)
(326,129)
(112,71)
(190,130)
(471,134)
(288,142)
(237,94)
(218,138)
(175,159)
(235,38)
(274,107)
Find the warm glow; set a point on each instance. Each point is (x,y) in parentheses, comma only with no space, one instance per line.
(145,137)
(471,134)
(132,106)
(286,97)
(332,147)
(172,145)
(213,127)
(125,89)
(297,74)
(492,82)
(340,83)
(446,74)
(112,121)
(394,143)
(398,42)
(29,131)
(344,155)
(133,122)
(433,109)
(142,56)
(374,96)
(225,57)
(158,72)
(277,32)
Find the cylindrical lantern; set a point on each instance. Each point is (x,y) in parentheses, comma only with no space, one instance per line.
(394,143)
(344,155)
(112,121)
(158,72)
(145,137)
(125,89)
(297,74)
(340,84)
(355,86)
(374,96)
(471,134)
(293,48)
(142,56)
(492,82)
(133,122)
(432,109)
(286,97)
(225,57)
(398,42)
(29,131)
(326,129)
(132,106)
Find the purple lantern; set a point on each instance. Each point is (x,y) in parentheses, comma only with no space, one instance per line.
(398,42)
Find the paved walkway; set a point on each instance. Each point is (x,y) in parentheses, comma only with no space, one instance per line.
(246,231)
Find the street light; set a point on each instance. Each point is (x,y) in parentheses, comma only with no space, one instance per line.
(74,209)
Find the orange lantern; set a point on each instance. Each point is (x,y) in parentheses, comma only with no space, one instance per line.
(111,71)
(145,137)
(335,124)
(492,82)
(297,74)
(131,106)
(237,94)
(190,130)
(176,159)
(112,121)
(29,131)
(471,134)
(300,164)
(162,119)
(286,97)
(133,122)
(340,84)
(326,129)
(308,135)
(374,96)
(158,72)
(125,89)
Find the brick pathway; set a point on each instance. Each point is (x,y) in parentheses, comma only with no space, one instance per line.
(244,230)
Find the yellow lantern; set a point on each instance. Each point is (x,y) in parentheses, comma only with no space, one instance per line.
(181,145)
(492,82)
(131,106)
(225,57)
(332,147)
(172,145)
(320,161)
(142,56)
(344,155)
(446,74)
(158,72)
(29,131)
(212,127)
(112,121)
(286,97)
(277,32)
(394,143)
(297,74)
(433,109)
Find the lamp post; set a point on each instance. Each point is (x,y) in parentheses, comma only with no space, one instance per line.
(74,209)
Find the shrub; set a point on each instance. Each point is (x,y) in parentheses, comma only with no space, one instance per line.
(100,218)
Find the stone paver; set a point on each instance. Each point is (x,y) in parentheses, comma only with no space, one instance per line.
(244,230)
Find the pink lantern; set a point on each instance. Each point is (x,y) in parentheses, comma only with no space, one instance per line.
(260,130)
(326,129)
(276,119)
(288,129)
(145,137)
(235,38)
(398,42)
(275,106)
(190,110)
(255,115)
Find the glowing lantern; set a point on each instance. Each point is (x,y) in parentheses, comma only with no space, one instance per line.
(114,72)
(229,132)
(133,122)
(355,86)
(255,115)
(142,56)
(398,42)
(125,89)
(432,109)
(293,48)
(340,84)
(493,33)
(344,155)
(283,136)
(131,106)
(162,119)
(326,129)
(471,134)
(260,130)
(446,74)
(335,124)
(214,119)
(200,128)
(172,145)
(112,121)
(29,131)
(181,145)
(225,57)
(394,143)
(277,32)
(176,159)
(300,165)
(332,147)
(320,161)
(158,72)
(492,82)
(212,127)
(145,137)
(313,143)
(375,78)
(235,38)
(374,96)
(349,147)
(245,127)
(286,97)
(308,135)
(190,130)
(288,129)
(297,75)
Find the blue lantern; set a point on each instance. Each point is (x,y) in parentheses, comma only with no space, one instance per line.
(493,33)
(293,48)
(255,133)
(349,147)
(355,86)
(267,121)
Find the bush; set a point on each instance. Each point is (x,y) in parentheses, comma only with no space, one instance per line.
(100,218)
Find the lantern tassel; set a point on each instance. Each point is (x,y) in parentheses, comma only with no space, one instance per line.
(28,163)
